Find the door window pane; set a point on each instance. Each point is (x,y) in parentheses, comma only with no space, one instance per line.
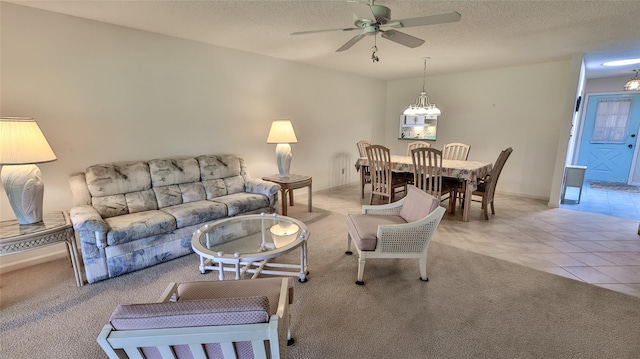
(611,125)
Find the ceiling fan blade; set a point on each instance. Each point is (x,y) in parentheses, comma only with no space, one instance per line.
(426,20)
(326,30)
(351,42)
(402,38)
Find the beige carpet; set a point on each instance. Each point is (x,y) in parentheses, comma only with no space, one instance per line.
(474,306)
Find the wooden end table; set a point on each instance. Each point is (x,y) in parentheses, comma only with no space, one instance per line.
(287,185)
(54,228)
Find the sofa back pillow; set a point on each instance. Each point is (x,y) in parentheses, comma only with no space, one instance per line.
(221,174)
(174,170)
(218,166)
(117,178)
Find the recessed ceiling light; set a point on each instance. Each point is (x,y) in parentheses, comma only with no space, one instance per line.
(622,62)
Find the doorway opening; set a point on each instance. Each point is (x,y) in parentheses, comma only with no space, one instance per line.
(607,144)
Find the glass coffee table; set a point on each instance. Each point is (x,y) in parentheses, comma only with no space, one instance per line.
(247,243)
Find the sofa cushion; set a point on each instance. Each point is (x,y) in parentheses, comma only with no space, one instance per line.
(175,170)
(110,206)
(117,178)
(168,195)
(129,227)
(188,214)
(238,203)
(215,188)
(218,166)
(191,313)
(364,228)
(141,201)
(234,184)
(192,192)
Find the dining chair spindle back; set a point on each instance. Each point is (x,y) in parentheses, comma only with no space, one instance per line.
(383,183)
(416,144)
(427,174)
(456,151)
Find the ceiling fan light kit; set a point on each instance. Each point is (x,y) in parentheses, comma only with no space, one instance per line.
(381,20)
(634,83)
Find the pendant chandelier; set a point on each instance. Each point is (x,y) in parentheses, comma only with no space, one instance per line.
(634,83)
(422,107)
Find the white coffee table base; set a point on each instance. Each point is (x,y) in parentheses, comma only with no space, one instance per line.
(257,267)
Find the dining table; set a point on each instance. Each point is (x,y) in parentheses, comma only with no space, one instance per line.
(467,171)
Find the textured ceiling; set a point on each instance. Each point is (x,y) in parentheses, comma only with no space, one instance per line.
(490,34)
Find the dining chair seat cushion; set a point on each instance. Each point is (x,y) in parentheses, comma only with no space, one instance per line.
(365,228)
(417,205)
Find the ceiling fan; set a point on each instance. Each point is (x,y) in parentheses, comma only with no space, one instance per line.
(382,20)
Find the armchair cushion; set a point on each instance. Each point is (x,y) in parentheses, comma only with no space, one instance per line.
(366,227)
(269,287)
(414,207)
(191,313)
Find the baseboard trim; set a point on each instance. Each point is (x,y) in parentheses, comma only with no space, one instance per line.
(32,260)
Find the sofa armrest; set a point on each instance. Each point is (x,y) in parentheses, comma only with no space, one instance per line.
(85,218)
(260,186)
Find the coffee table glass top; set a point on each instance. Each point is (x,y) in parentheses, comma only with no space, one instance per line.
(250,237)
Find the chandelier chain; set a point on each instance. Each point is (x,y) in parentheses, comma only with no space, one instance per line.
(424,74)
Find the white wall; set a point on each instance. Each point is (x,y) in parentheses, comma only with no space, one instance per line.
(607,84)
(104,93)
(522,107)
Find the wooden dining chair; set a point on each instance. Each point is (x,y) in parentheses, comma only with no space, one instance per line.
(416,144)
(365,175)
(427,173)
(456,151)
(487,186)
(383,182)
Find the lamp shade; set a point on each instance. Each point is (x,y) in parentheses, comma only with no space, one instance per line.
(282,132)
(22,142)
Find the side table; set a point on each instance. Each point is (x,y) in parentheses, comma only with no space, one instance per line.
(287,185)
(55,228)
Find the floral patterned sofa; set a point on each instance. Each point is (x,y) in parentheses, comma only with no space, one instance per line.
(132,215)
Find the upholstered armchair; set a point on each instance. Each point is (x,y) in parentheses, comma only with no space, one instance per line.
(401,229)
(208,319)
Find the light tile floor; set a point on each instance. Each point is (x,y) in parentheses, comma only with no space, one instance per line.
(595,248)
(611,202)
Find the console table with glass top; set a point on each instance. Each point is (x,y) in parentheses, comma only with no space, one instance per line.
(55,228)
(287,185)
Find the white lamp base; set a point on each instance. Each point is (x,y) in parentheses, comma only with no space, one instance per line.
(283,158)
(25,189)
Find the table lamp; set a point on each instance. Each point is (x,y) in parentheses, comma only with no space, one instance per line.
(282,133)
(22,144)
